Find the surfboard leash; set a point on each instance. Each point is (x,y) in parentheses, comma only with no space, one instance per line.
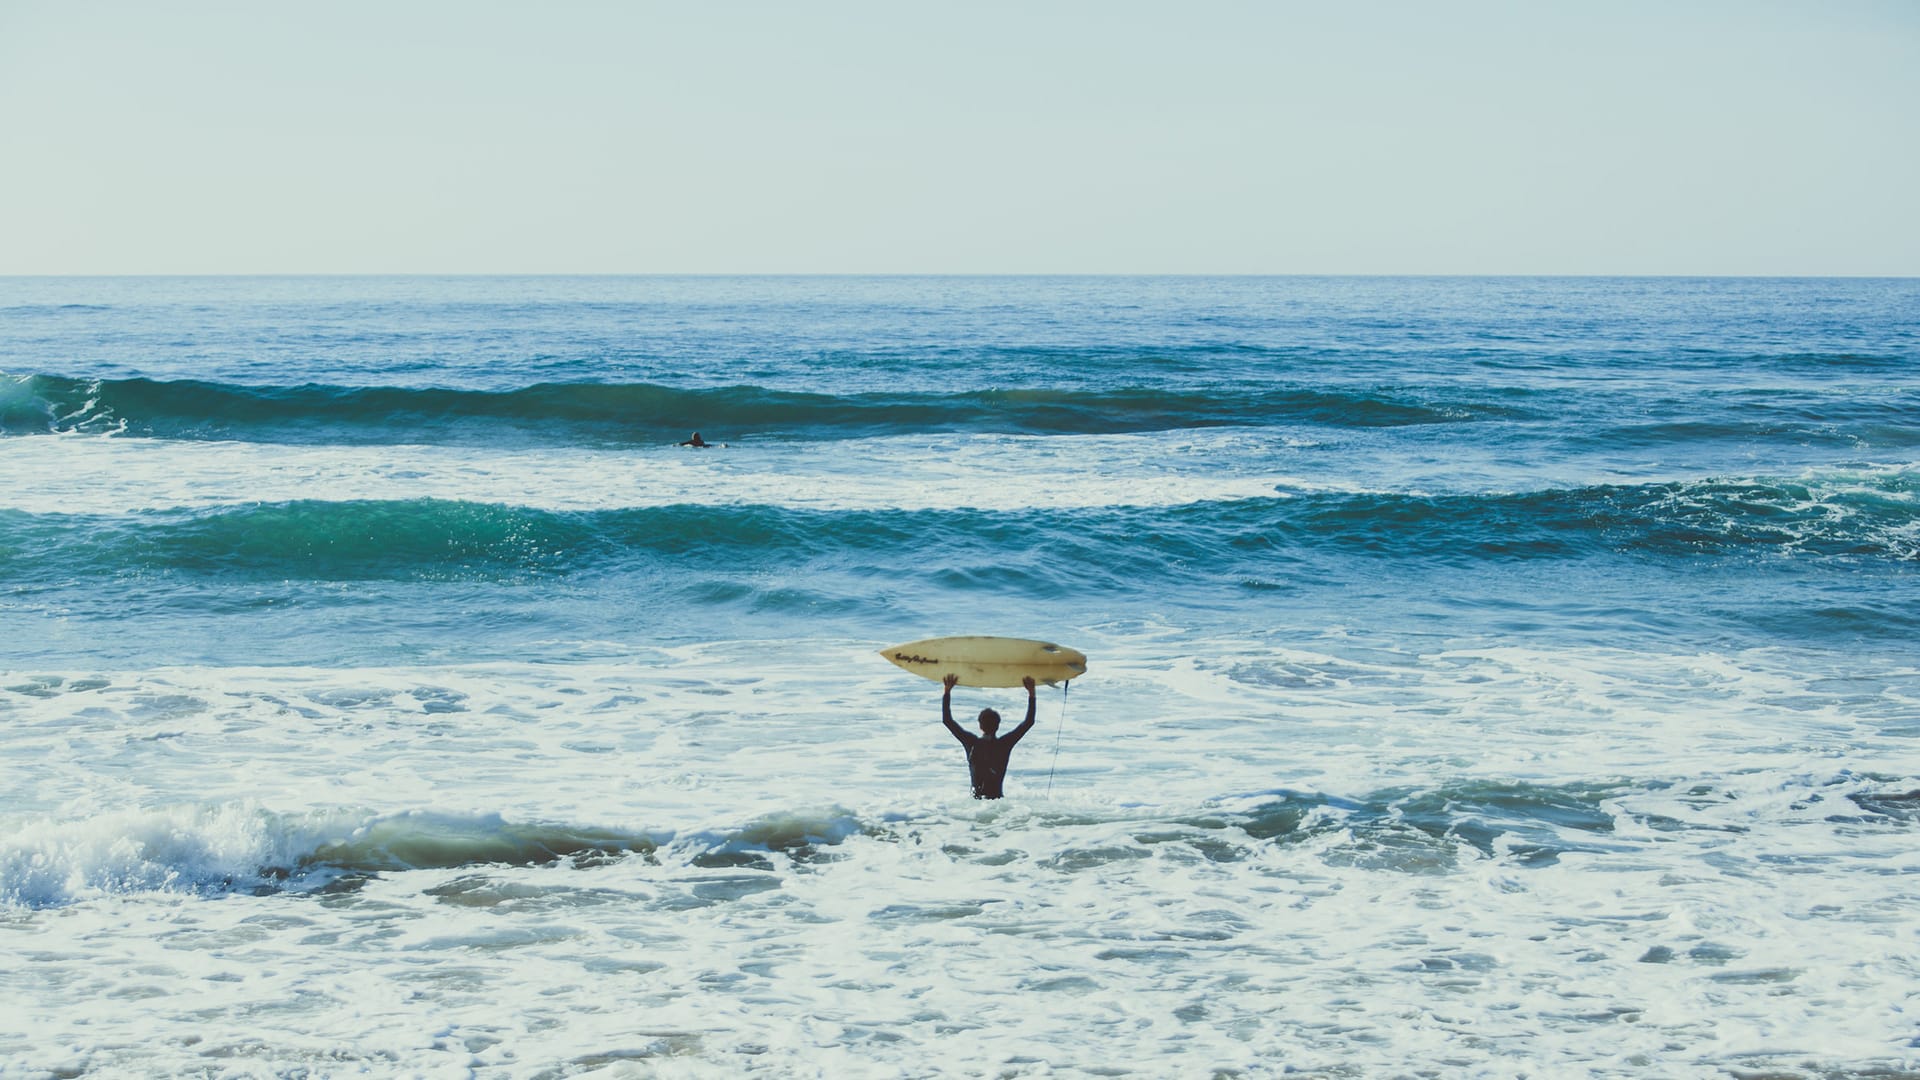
(1057,730)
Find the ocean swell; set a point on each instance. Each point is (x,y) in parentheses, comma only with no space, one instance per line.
(1861,516)
(643,413)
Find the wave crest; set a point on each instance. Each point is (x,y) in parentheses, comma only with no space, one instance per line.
(644,413)
(236,847)
(1864,515)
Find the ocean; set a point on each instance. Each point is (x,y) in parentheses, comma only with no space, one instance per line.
(1487,677)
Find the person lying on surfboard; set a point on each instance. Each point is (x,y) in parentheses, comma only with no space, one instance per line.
(986,755)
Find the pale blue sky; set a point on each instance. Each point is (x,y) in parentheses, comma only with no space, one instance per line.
(1538,137)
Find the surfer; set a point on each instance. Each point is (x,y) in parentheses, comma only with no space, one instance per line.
(697,441)
(986,754)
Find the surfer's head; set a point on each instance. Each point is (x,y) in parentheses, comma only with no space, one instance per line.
(989,721)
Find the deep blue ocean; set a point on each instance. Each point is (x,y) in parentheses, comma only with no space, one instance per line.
(1563,628)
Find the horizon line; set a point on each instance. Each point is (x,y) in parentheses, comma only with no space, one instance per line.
(295,274)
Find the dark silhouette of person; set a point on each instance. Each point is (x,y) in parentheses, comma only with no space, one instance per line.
(697,441)
(986,754)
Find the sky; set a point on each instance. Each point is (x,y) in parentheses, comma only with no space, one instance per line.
(1191,137)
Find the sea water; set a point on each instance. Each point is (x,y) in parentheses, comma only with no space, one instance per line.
(1488,677)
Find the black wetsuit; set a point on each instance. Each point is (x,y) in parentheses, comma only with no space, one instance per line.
(986,755)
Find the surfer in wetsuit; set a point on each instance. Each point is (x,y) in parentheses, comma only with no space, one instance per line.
(986,754)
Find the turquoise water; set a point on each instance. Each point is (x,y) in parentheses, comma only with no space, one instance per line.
(1554,624)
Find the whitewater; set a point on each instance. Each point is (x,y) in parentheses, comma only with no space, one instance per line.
(1488,677)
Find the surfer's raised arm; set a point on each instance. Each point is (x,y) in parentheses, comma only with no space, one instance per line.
(1014,736)
(946,710)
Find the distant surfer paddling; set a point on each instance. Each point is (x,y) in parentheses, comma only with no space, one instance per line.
(699,443)
(986,754)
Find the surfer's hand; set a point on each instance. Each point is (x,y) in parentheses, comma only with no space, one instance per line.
(1028,683)
(951,680)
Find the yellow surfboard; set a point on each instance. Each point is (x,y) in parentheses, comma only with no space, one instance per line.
(989,661)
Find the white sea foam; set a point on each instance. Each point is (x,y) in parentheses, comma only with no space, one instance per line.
(112,475)
(87,474)
(1341,855)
